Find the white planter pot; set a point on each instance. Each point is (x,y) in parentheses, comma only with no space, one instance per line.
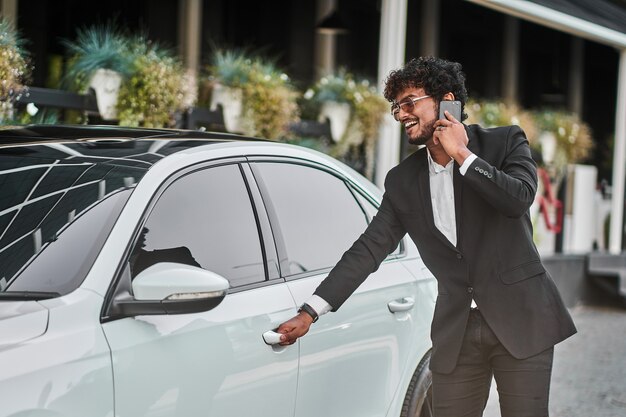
(339,116)
(106,83)
(548,146)
(231,101)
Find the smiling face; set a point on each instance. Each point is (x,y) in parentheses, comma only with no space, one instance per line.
(417,116)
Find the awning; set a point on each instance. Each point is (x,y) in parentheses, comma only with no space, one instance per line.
(602,21)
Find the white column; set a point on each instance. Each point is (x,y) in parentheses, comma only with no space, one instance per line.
(8,9)
(510,59)
(390,56)
(619,161)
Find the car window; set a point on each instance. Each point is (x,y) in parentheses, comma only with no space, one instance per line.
(55,205)
(318,217)
(371,211)
(204,219)
(61,265)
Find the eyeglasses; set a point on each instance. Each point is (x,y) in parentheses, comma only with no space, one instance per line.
(406,106)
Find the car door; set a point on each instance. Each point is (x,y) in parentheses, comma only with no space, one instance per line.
(215,362)
(351,361)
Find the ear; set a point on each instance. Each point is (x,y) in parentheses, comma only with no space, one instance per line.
(448,96)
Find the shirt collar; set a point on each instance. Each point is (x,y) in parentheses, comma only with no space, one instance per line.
(434,167)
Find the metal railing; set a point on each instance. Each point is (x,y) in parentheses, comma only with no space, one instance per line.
(194,118)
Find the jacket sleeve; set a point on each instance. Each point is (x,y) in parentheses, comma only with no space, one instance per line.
(364,256)
(511,189)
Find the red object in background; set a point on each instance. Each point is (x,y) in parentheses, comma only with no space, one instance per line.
(547,200)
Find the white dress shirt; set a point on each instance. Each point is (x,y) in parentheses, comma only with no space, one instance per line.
(442,198)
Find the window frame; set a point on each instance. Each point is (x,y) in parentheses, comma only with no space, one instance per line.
(275,223)
(121,284)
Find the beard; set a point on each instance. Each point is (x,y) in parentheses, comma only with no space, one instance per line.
(425,135)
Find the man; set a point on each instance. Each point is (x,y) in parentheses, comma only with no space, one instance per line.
(464,200)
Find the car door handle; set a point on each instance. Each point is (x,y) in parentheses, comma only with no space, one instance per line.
(404,304)
(271,338)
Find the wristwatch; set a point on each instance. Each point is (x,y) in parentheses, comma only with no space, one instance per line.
(310,311)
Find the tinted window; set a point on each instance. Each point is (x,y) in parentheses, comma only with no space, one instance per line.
(204,219)
(63,263)
(48,197)
(318,216)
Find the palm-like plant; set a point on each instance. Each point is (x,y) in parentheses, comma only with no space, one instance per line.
(231,67)
(97,47)
(259,99)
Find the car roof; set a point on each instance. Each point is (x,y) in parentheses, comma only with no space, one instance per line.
(135,148)
(11,136)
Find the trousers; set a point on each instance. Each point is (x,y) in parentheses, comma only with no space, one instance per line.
(523,384)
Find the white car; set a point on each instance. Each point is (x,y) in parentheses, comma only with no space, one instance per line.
(142,273)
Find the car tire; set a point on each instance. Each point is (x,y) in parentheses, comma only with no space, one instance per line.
(418,401)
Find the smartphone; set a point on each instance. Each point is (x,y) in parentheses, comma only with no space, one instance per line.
(453,107)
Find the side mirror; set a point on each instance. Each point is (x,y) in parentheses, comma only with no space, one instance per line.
(172,288)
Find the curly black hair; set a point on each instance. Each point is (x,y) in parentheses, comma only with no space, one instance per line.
(436,76)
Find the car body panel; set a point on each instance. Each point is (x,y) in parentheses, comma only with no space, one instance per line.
(21,321)
(212,363)
(64,372)
(362,348)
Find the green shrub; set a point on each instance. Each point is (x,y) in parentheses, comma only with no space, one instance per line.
(14,67)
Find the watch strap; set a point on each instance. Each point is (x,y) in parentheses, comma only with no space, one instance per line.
(310,311)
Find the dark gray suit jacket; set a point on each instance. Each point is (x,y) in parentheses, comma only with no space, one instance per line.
(495,260)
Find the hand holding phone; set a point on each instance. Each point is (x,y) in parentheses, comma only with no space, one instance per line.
(452,106)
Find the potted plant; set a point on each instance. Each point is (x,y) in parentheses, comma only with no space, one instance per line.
(14,68)
(158,88)
(331,95)
(228,72)
(137,82)
(100,59)
(355,110)
(564,138)
(270,102)
(256,97)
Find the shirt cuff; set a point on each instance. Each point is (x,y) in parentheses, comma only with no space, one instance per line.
(319,304)
(466,164)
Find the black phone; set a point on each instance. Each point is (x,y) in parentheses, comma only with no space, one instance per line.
(453,107)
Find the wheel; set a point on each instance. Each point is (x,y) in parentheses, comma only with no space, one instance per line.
(418,401)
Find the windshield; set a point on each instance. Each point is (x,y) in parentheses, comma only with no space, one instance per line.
(58,204)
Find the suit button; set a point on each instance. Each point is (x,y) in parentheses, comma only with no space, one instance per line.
(476,168)
(459,256)
(470,290)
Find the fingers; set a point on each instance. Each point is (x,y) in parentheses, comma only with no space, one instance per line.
(448,122)
(292,329)
(450,117)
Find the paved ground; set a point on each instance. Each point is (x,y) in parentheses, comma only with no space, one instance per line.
(589,375)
